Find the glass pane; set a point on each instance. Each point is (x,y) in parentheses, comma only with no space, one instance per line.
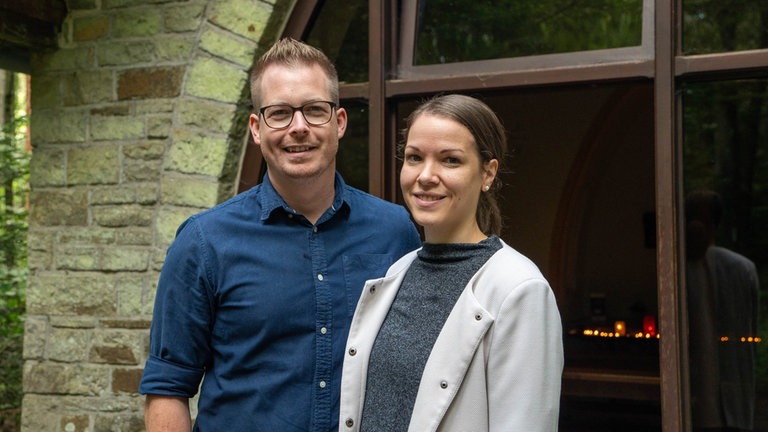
(341,32)
(352,158)
(724,25)
(725,147)
(464,30)
(578,199)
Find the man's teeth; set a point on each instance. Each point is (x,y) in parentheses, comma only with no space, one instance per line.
(297,149)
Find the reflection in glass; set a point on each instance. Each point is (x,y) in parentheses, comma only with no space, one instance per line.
(725,147)
(352,158)
(341,32)
(464,30)
(711,26)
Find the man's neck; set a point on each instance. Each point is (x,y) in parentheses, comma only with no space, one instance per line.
(310,197)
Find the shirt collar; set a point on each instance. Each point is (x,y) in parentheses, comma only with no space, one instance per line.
(271,200)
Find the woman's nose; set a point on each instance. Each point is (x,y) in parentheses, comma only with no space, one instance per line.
(427,174)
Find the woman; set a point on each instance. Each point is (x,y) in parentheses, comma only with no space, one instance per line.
(463,334)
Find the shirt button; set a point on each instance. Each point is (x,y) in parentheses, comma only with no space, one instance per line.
(322,384)
(319,277)
(349,422)
(323,330)
(314,229)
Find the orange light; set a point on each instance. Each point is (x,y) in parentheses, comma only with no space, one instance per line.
(620,328)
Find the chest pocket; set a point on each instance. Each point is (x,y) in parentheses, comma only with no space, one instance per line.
(360,268)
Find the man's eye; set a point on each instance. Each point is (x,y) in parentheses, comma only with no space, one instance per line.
(278,113)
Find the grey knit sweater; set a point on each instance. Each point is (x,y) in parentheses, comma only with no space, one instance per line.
(431,286)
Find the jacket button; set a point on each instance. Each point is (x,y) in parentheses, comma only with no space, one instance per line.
(352,351)
(478,317)
(444,384)
(349,422)
(373,289)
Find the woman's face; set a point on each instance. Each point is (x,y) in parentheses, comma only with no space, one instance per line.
(442,179)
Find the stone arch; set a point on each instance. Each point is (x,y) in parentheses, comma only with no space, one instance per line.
(139,120)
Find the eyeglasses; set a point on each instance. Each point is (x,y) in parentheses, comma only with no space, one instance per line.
(316,113)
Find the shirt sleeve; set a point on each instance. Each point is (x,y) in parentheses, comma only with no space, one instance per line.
(182,318)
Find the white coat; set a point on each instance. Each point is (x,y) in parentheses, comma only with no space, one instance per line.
(496,364)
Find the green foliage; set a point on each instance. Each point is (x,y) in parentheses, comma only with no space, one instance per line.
(486,29)
(14,173)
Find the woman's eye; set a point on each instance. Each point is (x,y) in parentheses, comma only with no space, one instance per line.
(412,158)
(452,161)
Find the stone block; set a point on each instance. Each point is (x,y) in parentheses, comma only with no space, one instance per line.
(35,331)
(116,127)
(119,422)
(159,127)
(134,236)
(133,324)
(246,18)
(189,191)
(205,114)
(142,170)
(66,59)
(68,345)
(228,46)
(212,79)
(59,207)
(125,259)
(185,17)
(45,91)
(89,27)
(88,87)
(47,167)
(174,47)
(168,221)
(196,153)
(65,378)
(73,322)
(75,423)
(125,53)
(86,236)
(97,164)
(122,215)
(72,295)
(78,258)
(154,106)
(56,126)
(137,22)
(120,347)
(149,83)
(126,380)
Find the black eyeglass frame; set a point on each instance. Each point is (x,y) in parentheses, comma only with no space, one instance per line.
(333,106)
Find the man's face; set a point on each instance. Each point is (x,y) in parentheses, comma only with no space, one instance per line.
(300,151)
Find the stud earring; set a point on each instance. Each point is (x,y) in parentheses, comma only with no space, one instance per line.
(486,188)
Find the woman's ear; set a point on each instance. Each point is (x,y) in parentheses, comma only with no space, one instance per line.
(490,169)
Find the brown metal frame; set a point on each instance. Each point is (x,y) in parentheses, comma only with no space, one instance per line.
(392,76)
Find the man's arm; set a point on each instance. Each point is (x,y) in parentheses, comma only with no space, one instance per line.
(167,414)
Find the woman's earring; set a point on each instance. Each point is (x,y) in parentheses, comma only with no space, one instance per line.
(486,188)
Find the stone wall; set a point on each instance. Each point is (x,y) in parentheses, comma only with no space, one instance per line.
(138,120)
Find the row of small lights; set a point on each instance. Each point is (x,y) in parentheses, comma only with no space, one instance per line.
(606,334)
(641,335)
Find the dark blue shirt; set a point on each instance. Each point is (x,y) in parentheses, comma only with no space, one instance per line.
(258,300)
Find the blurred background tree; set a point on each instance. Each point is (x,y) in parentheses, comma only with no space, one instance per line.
(14,187)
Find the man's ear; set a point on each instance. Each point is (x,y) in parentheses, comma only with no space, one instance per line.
(255,127)
(341,121)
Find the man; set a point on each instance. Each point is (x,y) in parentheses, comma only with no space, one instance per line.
(723,298)
(256,294)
